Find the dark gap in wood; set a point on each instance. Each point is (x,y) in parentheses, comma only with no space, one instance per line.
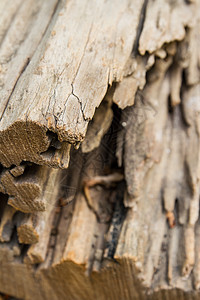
(3,203)
(47,155)
(119,215)
(109,141)
(139,29)
(176,212)
(170,107)
(182,91)
(30,170)
(24,250)
(53,138)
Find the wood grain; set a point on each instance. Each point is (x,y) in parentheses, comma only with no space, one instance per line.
(121,79)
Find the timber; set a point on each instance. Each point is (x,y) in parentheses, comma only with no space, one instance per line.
(100,149)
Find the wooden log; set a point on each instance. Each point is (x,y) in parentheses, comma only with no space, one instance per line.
(150,249)
(24,135)
(37,251)
(136,255)
(30,226)
(15,57)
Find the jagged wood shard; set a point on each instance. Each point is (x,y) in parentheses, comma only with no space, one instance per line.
(31,227)
(27,192)
(37,252)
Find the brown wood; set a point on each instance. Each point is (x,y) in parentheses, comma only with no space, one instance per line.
(99,149)
(26,187)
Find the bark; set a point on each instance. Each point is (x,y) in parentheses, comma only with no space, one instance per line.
(99,149)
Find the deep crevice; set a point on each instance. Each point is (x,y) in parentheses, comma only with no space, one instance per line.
(139,28)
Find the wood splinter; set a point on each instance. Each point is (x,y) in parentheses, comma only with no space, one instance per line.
(36,231)
(6,224)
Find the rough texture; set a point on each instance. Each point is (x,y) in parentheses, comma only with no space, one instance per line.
(28,186)
(121,79)
(60,95)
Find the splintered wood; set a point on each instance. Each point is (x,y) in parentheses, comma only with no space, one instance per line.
(78,78)
(100,149)
(26,189)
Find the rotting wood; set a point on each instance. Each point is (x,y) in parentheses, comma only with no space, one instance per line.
(69,78)
(26,231)
(99,125)
(42,223)
(121,248)
(27,192)
(31,227)
(6,225)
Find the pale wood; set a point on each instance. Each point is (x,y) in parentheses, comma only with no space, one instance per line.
(100,124)
(89,45)
(165,22)
(137,237)
(6,225)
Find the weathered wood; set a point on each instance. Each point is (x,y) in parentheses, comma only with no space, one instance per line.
(28,191)
(99,126)
(166,22)
(138,238)
(87,45)
(31,227)
(26,230)
(6,225)
(130,261)
(37,252)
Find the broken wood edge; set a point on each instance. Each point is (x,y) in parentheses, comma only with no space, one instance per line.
(26,232)
(30,226)
(119,280)
(30,141)
(43,221)
(26,185)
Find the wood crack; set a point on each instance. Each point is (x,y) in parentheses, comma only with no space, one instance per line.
(139,28)
(124,207)
(79,101)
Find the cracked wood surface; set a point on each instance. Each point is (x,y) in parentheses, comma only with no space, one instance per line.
(141,236)
(90,50)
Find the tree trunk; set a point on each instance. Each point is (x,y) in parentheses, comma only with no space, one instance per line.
(99,149)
